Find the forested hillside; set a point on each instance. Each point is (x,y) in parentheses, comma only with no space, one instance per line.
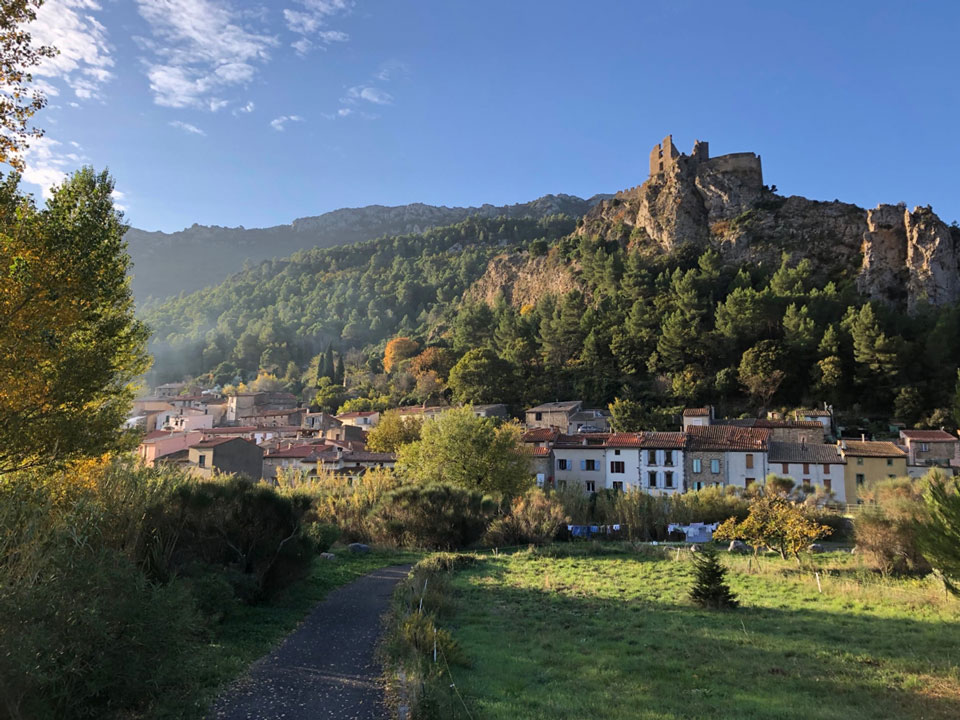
(166,264)
(655,330)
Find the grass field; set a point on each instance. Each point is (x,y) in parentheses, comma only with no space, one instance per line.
(588,634)
(249,632)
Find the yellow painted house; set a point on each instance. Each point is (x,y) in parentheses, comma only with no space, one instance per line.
(869,461)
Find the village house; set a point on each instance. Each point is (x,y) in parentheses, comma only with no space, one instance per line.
(184,418)
(365,419)
(243,407)
(292,458)
(588,421)
(161,443)
(824,417)
(927,449)
(795,431)
(353,463)
(258,435)
(809,465)
(580,460)
(725,455)
(169,389)
(868,462)
(497,410)
(319,421)
(649,461)
(697,416)
(541,465)
(226,456)
(555,415)
(278,418)
(213,405)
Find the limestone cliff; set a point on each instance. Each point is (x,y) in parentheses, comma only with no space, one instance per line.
(891,254)
(522,279)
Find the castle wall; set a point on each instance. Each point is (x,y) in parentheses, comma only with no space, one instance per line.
(735,162)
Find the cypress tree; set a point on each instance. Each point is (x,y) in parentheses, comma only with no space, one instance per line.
(710,589)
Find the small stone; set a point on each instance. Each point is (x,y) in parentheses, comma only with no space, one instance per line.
(359,548)
(328,556)
(815,548)
(738,546)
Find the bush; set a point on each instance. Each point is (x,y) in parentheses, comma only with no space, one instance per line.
(534,518)
(444,517)
(886,529)
(252,531)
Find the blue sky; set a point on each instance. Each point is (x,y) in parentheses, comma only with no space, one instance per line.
(232,113)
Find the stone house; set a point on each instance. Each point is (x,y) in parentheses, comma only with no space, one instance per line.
(169,389)
(555,414)
(809,464)
(725,455)
(868,462)
(930,448)
(243,407)
(592,420)
(319,422)
(541,465)
(226,456)
(292,457)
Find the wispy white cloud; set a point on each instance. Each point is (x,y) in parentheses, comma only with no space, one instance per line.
(84,62)
(391,70)
(199,50)
(279,123)
(368,93)
(248,108)
(187,127)
(47,164)
(119,200)
(310,18)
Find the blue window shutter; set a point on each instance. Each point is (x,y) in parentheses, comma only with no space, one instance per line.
(583,464)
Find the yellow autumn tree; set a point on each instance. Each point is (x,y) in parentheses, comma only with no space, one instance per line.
(399,349)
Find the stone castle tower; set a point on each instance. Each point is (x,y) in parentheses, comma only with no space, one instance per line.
(665,156)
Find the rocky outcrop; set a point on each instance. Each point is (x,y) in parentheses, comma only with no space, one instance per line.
(909,256)
(522,279)
(892,254)
(166,264)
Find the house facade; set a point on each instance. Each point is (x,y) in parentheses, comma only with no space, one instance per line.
(867,462)
(226,456)
(580,461)
(159,443)
(555,414)
(243,407)
(814,465)
(927,449)
(725,455)
(366,419)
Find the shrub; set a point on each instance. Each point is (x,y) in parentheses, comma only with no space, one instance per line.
(250,530)
(437,516)
(886,529)
(939,531)
(710,589)
(776,524)
(534,518)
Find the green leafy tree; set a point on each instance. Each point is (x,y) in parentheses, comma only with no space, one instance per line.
(480,377)
(760,370)
(776,524)
(475,453)
(938,533)
(70,346)
(393,431)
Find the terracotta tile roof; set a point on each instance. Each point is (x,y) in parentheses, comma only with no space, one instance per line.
(594,441)
(727,437)
(541,435)
(770,424)
(541,451)
(664,440)
(297,451)
(213,442)
(787,452)
(696,412)
(625,440)
(928,435)
(872,448)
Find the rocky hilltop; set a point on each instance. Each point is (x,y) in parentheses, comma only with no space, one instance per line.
(166,264)
(891,253)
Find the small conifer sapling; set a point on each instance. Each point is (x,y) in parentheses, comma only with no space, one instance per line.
(710,589)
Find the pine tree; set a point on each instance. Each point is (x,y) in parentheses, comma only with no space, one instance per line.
(710,589)
(340,373)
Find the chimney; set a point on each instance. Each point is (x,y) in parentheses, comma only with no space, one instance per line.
(863,437)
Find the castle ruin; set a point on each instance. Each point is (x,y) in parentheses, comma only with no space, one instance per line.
(665,156)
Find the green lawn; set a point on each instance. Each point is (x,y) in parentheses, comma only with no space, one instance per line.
(569,632)
(249,632)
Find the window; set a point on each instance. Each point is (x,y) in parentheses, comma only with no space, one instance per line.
(202,460)
(806,468)
(562,464)
(826,468)
(617,466)
(651,457)
(715,467)
(697,465)
(538,416)
(588,464)
(591,486)
(541,478)
(698,485)
(859,461)
(924,447)
(749,461)
(827,484)
(889,461)
(785,468)
(616,452)
(668,479)
(651,479)
(618,486)
(860,479)
(668,457)
(749,481)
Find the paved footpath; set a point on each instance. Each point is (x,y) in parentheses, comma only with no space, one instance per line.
(325,669)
